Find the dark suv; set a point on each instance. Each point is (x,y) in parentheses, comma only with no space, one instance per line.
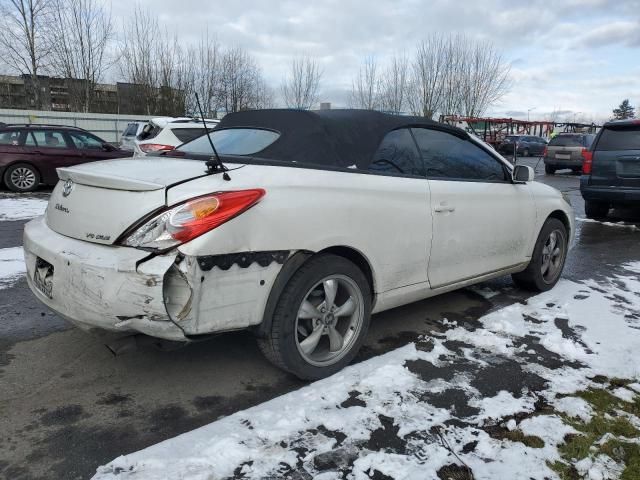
(611,168)
(30,154)
(526,145)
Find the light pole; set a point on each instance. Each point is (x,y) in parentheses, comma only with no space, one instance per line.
(529,110)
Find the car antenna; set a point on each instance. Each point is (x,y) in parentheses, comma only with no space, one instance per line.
(214,164)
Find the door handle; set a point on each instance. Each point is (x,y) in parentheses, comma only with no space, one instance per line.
(443,207)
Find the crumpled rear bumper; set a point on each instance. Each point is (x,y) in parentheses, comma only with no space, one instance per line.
(101,286)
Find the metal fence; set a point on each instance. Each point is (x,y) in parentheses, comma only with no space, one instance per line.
(107,126)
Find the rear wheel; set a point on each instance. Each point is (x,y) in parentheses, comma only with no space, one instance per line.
(549,169)
(548,258)
(595,210)
(22,177)
(321,318)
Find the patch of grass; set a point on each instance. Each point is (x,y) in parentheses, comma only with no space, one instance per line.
(564,470)
(627,453)
(529,440)
(605,420)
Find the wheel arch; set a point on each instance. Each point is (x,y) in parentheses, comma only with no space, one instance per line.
(562,216)
(291,266)
(18,162)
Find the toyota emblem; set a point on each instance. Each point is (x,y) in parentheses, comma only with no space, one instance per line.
(67,188)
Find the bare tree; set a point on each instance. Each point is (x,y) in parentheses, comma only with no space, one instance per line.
(241,85)
(206,75)
(366,86)
(452,74)
(484,77)
(81,33)
(393,85)
(300,88)
(428,71)
(24,29)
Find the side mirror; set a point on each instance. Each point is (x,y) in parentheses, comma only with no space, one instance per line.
(523,174)
(107,147)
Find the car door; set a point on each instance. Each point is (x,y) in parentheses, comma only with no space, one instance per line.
(89,147)
(481,221)
(50,150)
(402,253)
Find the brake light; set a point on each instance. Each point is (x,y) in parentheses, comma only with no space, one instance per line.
(191,219)
(544,152)
(587,161)
(155,147)
(203,214)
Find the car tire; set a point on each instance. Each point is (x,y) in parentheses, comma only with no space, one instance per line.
(550,251)
(596,210)
(302,343)
(549,169)
(22,177)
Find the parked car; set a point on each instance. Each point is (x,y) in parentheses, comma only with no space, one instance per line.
(30,154)
(565,151)
(131,132)
(611,168)
(323,218)
(526,145)
(166,133)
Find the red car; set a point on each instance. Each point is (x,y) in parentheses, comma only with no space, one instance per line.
(30,154)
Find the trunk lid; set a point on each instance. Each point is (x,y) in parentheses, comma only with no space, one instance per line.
(99,201)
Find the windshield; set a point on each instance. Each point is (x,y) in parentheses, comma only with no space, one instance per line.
(232,141)
(567,141)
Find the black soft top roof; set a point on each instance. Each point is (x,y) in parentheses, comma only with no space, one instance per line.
(340,138)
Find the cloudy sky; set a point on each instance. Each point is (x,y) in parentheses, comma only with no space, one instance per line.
(578,56)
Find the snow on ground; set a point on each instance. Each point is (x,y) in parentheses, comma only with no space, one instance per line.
(21,208)
(629,226)
(11,265)
(443,402)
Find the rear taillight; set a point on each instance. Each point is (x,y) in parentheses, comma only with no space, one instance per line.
(544,152)
(155,147)
(191,219)
(587,161)
(203,214)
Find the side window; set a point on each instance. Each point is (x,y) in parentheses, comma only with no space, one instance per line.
(397,153)
(449,157)
(84,141)
(30,140)
(49,138)
(11,137)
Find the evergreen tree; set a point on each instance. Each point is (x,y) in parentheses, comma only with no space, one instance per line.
(624,111)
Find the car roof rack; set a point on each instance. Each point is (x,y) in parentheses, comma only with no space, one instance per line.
(39,125)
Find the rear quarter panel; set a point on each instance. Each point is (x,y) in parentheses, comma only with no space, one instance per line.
(387,219)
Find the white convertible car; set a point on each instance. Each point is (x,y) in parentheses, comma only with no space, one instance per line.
(303,226)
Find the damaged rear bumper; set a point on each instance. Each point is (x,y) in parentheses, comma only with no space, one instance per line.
(172,296)
(100,286)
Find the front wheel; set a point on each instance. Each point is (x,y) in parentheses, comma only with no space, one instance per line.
(547,261)
(549,169)
(321,318)
(21,177)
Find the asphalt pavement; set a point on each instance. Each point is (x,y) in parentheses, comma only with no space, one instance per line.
(67,405)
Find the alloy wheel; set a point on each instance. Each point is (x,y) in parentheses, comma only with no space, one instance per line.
(329,320)
(23,177)
(553,253)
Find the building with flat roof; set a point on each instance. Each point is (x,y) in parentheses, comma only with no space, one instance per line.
(68,95)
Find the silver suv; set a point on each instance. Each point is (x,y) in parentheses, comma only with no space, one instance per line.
(565,151)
